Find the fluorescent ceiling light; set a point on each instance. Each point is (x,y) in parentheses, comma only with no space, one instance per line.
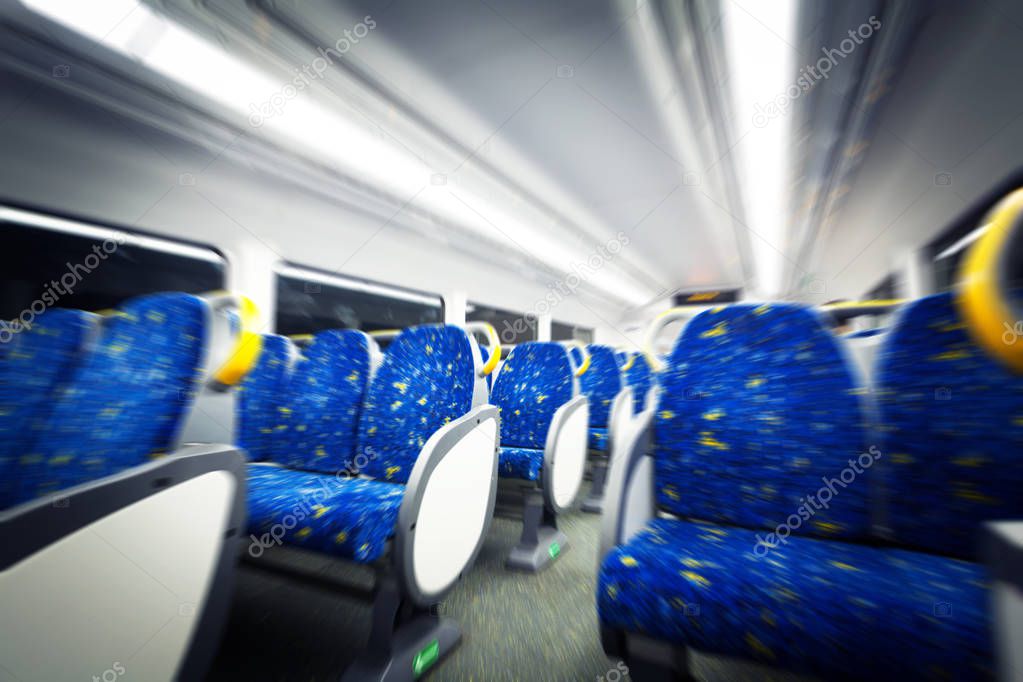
(174,52)
(359,285)
(759,39)
(88,231)
(963,243)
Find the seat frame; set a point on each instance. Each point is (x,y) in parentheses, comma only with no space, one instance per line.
(542,541)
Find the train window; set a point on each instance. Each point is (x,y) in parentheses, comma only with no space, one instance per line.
(311,300)
(512,327)
(567,332)
(54,262)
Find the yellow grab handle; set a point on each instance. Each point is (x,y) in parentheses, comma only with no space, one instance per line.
(248,348)
(982,299)
(494,342)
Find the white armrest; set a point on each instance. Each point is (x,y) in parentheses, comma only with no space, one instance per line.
(448,505)
(630,499)
(1004,552)
(564,457)
(620,416)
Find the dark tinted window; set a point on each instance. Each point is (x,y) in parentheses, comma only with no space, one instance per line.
(567,332)
(312,302)
(66,270)
(511,327)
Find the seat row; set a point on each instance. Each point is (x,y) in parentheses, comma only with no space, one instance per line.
(775,508)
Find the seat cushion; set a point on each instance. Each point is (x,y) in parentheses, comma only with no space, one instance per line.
(34,364)
(601,383)
(260,397)
(345,517)
(598,440)
(640,378)
(953,418)
(525,463)
(426,381)
(821,607)
(535,380)
(128,399)
(760,416)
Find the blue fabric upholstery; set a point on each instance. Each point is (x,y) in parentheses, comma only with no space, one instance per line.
(598,440)
(832,609)
(34,364)
(758,412)
(344,517)
(640,378)
(535,381)
(260,397)
(426,380)
(601,383)
(953,420)
(576,355)
(324,396)
(127,400)
(524,463)
(621,357)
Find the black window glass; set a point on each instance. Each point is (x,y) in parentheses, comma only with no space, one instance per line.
(310,303)
(511,327)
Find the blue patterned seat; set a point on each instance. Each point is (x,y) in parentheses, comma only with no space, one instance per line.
(34,364)
(333,427)
(260,397)
(833,609)
(758,410)
(127,400)
(535,381)
(640,378)
(953,423)
(600,383)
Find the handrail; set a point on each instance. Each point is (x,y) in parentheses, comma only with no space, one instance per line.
(585,365)
(994,319)
(246,351)
(494,343)
(656,327)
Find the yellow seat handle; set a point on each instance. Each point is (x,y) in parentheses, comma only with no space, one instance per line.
(983,296)
(247,349)
(493,341)
(585,365)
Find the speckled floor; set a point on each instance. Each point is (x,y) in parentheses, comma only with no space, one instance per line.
(515,626)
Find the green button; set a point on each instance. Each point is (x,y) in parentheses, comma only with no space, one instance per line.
(554,550)
(426,657)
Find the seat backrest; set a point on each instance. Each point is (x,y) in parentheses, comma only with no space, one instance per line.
(324,397)
(426,380)
(952,419)
(640,377)
(601,383)
(260,397)
(34,364)
(758,413)
(535,381)
(127,401)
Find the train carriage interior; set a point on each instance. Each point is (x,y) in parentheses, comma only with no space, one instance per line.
(505,340)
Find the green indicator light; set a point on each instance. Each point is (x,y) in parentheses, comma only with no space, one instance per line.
(554,550)
(426,657)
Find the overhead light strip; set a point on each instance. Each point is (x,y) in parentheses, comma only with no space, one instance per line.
(176,53)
